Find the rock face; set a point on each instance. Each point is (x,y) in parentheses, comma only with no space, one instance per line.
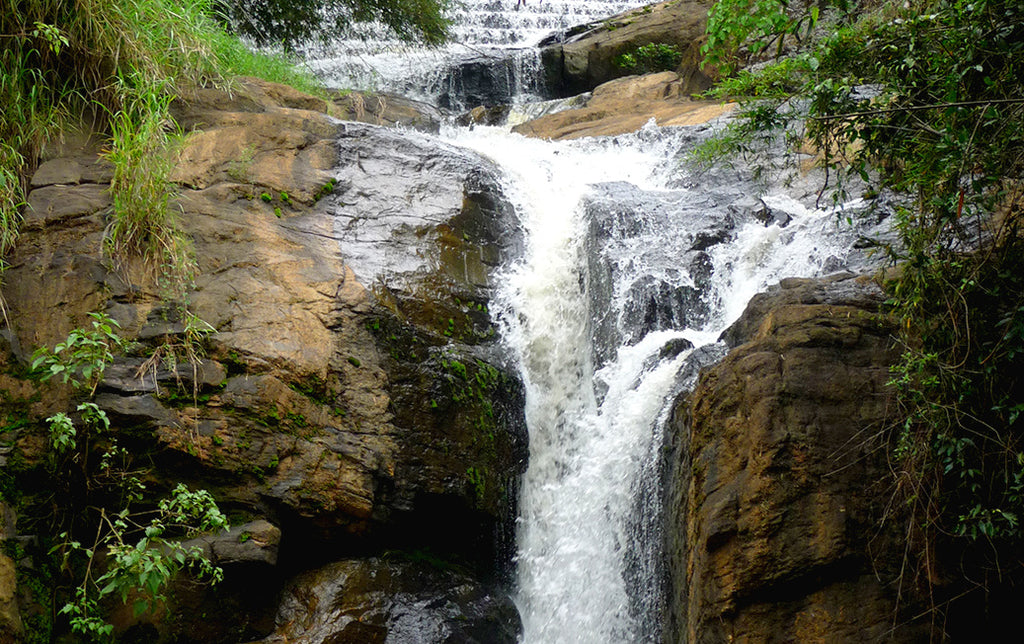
(626,105)
(341,414)
(583,58)
(393,601)
(780,487)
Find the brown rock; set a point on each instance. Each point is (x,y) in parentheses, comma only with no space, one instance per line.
(625,105)
(587,59)
(387,110)
(783,485)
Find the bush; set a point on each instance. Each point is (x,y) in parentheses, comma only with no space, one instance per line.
(647,59)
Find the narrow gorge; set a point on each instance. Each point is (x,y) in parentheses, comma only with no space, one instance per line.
(485,363)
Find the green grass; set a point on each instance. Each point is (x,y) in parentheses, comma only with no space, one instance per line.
(124,61)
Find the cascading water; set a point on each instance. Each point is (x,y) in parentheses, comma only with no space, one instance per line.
(607,236)
(633,267)
(490,37)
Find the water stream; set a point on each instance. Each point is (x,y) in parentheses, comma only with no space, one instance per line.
(609,237)
(634,264)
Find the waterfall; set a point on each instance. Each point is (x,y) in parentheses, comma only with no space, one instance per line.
(634,265)
(608,237)
(495,37)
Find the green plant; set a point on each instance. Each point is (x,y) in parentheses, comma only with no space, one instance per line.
(133,554)
(649,58)
(265,197)
(81,359)
(240,168)
(143,552)
(756,25)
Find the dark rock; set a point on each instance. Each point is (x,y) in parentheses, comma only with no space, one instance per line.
(488,80)
(393,601)
(673,348)
(481,115)
(778,490)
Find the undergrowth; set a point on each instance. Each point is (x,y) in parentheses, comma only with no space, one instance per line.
(924,98)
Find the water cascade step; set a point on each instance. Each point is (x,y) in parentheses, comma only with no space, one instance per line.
(491,58)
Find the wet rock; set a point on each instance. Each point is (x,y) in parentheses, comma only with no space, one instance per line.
(777,493)
(626,105)
(622,221)
(389,110)
(481,115)
(584,57)
(487,80)
(842,288)
(673,348)
(255,542)
(393,601)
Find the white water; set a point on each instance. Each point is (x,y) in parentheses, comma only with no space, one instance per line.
(482,29)
(588,557)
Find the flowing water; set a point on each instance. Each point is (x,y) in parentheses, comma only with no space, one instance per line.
(608,236)
(490,37)
(633,266)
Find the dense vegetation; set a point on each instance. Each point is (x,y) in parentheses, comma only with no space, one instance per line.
(926,99)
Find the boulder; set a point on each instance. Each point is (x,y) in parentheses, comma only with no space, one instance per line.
(626,105)
(393,600)
(380,108)
(585,57)
(779,492)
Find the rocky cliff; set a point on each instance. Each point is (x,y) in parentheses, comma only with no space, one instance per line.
(780,484)
(352,403)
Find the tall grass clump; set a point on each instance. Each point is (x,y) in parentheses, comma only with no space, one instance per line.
(122,62)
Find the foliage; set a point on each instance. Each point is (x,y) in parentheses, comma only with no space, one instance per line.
(649,58)
(83,357)
(118,63)
(140,558)
(292,22)
(756,25)
(133,554)
(925,98)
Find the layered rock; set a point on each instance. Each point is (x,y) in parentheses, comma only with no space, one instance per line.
(626,105)
(780,484)
(351,411)
(585,57)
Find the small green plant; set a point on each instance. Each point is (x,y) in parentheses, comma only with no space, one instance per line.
(287,200)
(81,359)
(650,58)
(265,197)
(477,483)
(240,168)
(133,554)
(354,361)
(143,552)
